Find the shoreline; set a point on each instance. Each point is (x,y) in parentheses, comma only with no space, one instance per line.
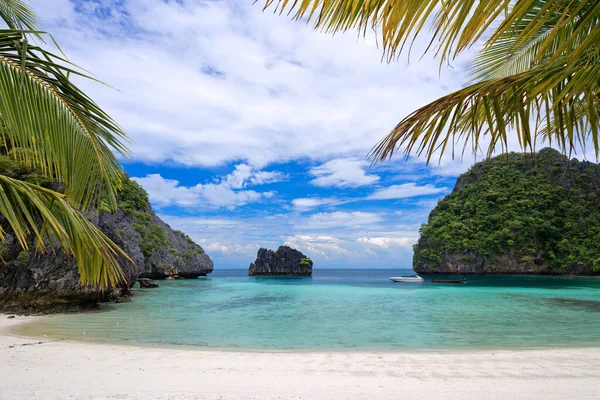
(11,331)
(72,369)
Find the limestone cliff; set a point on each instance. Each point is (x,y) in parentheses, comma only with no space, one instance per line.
(285,261)
(516,214)
(50,281)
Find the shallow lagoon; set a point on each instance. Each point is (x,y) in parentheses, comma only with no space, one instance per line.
(345,310)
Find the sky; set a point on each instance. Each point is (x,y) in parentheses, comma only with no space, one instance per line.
(251,130)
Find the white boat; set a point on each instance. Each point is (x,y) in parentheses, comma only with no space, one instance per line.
(407,278)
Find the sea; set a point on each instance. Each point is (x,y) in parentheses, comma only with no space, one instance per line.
(344,310)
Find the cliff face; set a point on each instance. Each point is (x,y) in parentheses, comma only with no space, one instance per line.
(285,261)
(49,281)
(178,256)
(516,215)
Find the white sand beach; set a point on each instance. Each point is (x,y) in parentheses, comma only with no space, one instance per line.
(75,370)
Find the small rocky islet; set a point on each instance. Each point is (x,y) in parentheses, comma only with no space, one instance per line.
(285,261)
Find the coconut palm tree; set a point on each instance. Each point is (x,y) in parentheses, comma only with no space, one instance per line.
(537,75)
(51,125)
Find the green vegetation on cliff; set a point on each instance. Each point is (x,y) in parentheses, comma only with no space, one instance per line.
(133,201)
(13,168)
(305,262)
(132,197)
(517,214)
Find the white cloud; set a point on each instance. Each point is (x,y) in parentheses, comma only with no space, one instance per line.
(320,245)
(404,191)
(245,175)
(228,191)
(307,203)
(428,204)
(165,192)
(386,242)
(340,219)
(232,249)
(342,172)
(265,177)
(223,196)
(203,83)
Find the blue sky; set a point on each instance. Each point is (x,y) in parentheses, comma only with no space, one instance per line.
(251,130)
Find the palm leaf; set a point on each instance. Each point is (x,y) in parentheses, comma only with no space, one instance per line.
(455,24)
(18,15)
(502,57)
(551,102)
(45,112)
(506,53)
(574,25)
(24,205)
(54,127)
(537,72)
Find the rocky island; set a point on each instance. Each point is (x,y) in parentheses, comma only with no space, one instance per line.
(49,281)
(516,214)
(284,261)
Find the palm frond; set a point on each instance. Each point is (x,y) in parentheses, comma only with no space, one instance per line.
(52,126)
(502,57)
(70,136)
(508,53)
(18,15)
(537,72)
(550,102)
(24,205)
(574,27)
(455,24)
(581,119)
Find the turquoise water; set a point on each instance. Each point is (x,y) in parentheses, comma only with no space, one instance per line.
(345,309)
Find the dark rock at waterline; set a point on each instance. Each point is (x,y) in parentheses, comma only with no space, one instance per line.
(285,261)
(49,282)
(146,283)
